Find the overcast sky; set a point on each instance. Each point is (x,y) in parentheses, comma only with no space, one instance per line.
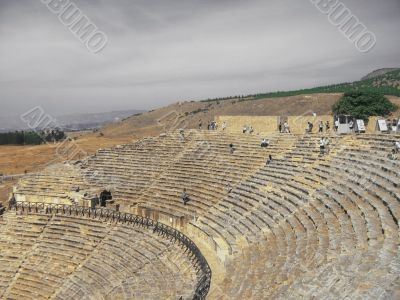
(163,51)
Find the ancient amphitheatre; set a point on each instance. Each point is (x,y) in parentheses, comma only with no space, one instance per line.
(304,226)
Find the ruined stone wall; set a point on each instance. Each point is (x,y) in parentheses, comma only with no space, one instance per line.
(261,124)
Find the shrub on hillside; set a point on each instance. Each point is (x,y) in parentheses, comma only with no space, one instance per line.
(362,105)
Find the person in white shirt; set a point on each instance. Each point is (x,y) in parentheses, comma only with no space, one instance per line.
(322,146)
(351,125)
(392,155)
(326,142)
(286,127)
(264,143)
(397,146)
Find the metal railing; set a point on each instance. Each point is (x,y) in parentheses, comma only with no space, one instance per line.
(199,261)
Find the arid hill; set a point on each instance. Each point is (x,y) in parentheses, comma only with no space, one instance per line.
(190,114)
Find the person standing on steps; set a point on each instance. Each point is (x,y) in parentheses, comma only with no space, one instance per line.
(327,126)
(351,125)
(185,197)
(326,144)
(223,126)
(321,127)
(310,127)
(392,155)
(231,148)
(94,202)
(286,127)
(397,146)
(182,135)
(12,203)
(322,146)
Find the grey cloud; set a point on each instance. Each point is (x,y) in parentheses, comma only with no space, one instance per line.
(164,51)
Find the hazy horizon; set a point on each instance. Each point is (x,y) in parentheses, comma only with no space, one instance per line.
(162,52)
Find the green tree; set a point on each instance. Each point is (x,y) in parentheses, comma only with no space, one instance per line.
(362,105)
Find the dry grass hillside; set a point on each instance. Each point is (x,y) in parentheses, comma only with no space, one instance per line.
(190,114)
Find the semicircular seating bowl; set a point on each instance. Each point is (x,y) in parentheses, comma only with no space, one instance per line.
(305,226)
(62,256)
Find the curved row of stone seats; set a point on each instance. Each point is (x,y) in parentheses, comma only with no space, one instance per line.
(293,243)
(75,257)
(63,245)
(57,181)
(18,235)
(207,170)
(132,264)
(131,168)
(341,221)
(249,210)
(366,204)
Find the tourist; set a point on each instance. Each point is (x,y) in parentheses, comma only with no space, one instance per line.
(321,127)
(309,127)
(2,208)
(327,126)
(336,125)
(251,129)
(322,146)
(397,146)
(185,197)
(231,148)
(269,160)
(264,143)
(208,126)
(103,201)
(351,125)
(280,127)
(326,144)
(244,129)
(223,126)
(393,155)
(94,202)
(229,188)
(182,134)
(13,202)
(286,127)
(200,124)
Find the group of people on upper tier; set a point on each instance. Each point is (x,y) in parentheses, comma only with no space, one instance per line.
(284,127)
(248,129)
(321,127)
(213,125)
